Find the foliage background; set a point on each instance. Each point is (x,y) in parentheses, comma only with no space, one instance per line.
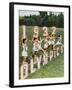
(43,19)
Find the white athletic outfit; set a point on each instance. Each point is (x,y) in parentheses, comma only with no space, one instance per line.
(59,42)
(24,52)
(46,45)
(52,42)
(49,42)
(37,47)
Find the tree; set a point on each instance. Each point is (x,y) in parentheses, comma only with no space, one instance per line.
(43,14)
(43,20)
(61,20)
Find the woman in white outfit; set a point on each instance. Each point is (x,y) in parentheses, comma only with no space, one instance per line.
(24,48)
(59,42)
(24,66)
(46,43)
(35,45)
(59,45)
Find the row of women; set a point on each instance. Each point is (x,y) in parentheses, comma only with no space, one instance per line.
(42,52)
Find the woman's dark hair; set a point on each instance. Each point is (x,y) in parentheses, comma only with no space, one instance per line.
(34,38)
(24,40)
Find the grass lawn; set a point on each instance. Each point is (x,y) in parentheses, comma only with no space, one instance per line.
(54,68)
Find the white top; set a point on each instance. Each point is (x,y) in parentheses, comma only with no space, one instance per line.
(49,42)
(24,51)
(52,42)
(46,45)
(59,42)
(35,47)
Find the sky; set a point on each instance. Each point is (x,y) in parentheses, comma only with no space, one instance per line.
(28,13)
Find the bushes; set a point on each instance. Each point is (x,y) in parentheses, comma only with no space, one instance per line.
(43,19)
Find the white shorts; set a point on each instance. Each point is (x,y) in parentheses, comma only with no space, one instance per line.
(24,53)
